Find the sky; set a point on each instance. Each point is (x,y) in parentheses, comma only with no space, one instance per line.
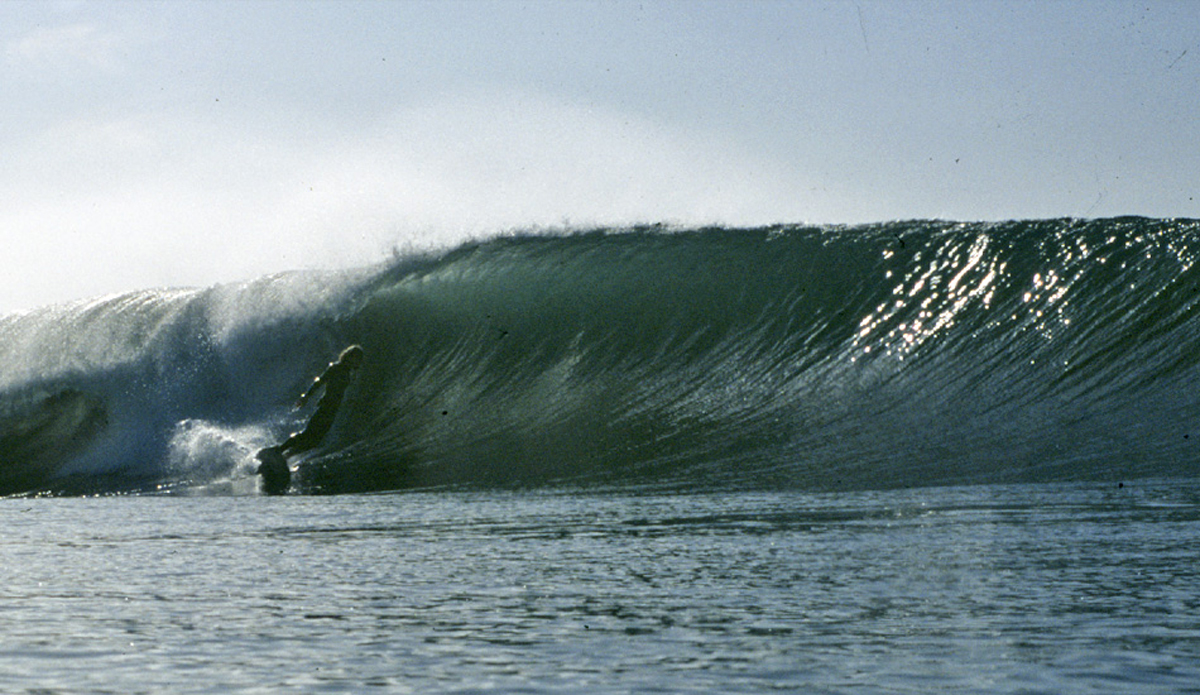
(162,144)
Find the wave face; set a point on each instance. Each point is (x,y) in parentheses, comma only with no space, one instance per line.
(906,353)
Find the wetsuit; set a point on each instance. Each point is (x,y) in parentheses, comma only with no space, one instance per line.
(335,381)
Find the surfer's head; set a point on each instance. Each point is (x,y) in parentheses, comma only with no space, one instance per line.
(352,357)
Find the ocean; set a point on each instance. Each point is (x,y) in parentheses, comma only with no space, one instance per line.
(908,457)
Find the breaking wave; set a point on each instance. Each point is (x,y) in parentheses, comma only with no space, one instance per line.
(906,353)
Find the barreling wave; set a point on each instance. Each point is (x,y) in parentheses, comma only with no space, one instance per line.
(906,353)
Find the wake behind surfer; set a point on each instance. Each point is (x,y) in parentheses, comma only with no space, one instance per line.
(334,381)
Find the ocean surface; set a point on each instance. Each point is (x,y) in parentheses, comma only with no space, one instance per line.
(1055,588)
(906,457)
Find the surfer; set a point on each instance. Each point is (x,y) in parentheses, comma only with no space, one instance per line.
(276,475)
(334,380)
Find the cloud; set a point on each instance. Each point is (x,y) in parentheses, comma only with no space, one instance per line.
(64,49)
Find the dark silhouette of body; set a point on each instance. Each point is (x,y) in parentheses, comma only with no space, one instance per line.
(276,476)
(334,380)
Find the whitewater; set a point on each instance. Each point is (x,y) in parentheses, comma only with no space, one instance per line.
(914,456)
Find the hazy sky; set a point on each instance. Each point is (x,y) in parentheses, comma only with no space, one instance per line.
(149,144)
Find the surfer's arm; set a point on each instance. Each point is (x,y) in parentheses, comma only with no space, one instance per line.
(330,378)
(317,383)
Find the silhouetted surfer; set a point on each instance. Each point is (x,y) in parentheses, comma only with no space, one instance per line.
(276,475)
(334,380)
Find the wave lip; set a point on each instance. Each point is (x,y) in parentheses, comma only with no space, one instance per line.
(906,353)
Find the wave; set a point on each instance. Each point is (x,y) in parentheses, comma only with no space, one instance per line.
(791,356)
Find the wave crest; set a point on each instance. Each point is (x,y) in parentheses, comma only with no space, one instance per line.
(906,353)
